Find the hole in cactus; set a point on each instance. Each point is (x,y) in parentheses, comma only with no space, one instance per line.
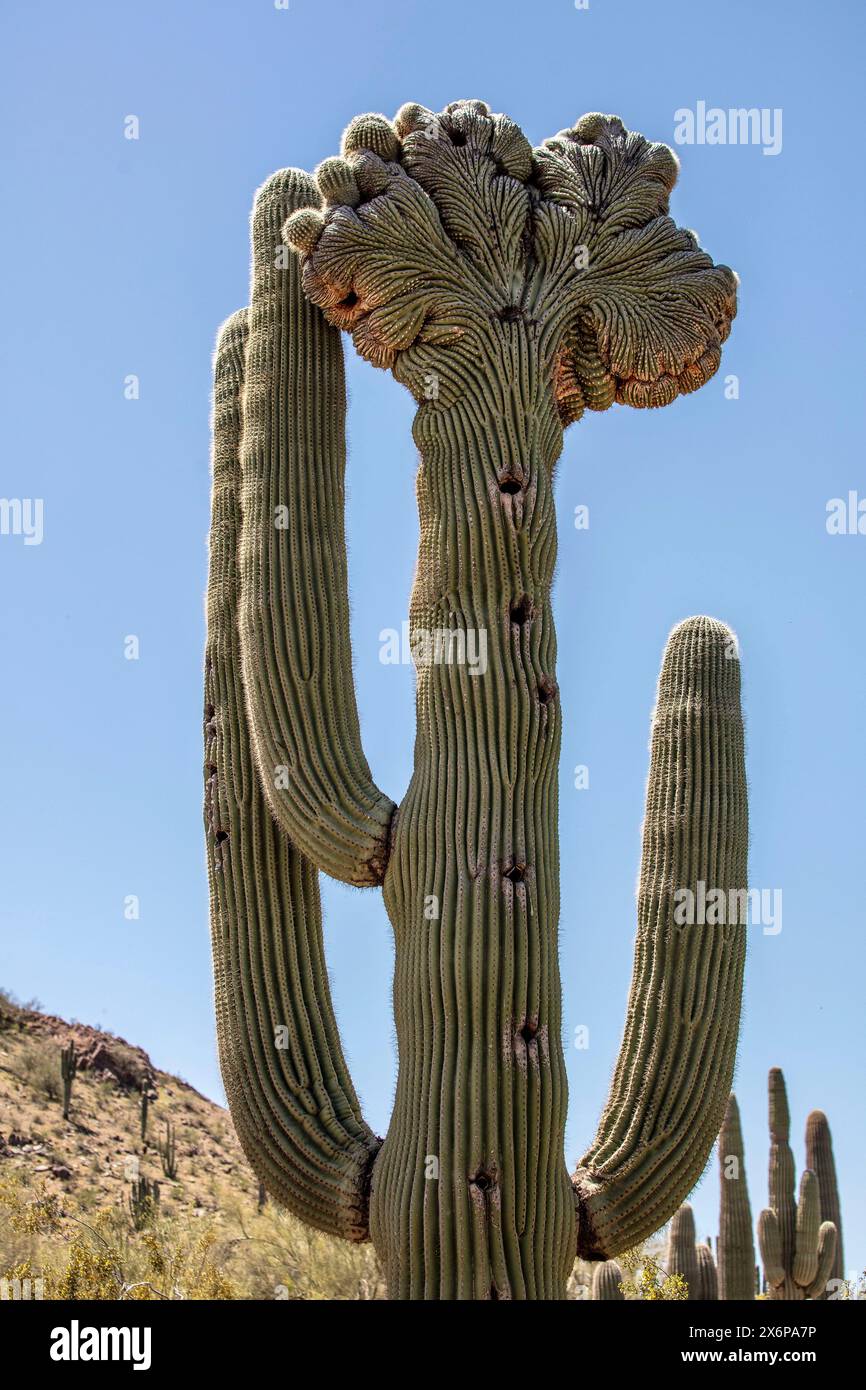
(211,772)
(221,836)
(494,1294)
(521,611)
(350,300)
(510,485)
(209,711)
(546,690)
(482,1182)
(458,138)
(515,873)
(512,313)
(529,1031)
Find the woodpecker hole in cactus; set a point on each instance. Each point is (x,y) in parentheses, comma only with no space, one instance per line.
(521,611)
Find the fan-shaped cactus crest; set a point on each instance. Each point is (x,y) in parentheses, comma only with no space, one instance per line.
(509,289)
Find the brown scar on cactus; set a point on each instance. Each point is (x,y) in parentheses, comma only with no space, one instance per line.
(509,289)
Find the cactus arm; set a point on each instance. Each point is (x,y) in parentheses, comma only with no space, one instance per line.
(708,1278)
(828,1239)
(804,1269)
(294,610)
(736,1246)
(676,1062)
(819,1157)
(294,1106)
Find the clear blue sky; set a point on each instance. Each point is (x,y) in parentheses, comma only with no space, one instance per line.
(123,257)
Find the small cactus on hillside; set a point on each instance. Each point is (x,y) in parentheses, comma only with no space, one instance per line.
(145,1101)
(143,1201)
(168,1152)
(797,1248)
(68,1068)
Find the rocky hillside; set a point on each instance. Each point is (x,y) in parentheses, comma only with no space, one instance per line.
(65,1185)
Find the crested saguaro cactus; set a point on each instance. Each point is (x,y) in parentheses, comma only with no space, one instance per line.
(509,289)
(692,1262)
(797,1248)
(736,1246)
(819,1158)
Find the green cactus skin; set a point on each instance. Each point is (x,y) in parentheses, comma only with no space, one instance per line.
(294,1107)
(736,1246)
(168,1152)
(607,1282)
(708,1277)
(682,1256)
(693,1262)
(819,1158)
(797,1248)
(68,1068)
(503,340)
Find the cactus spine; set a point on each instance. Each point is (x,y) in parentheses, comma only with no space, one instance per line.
(735,1245)
(819,1158)
(68,1068)
(797,1248)
(168,1152)
(607,1282)
(502,341)
(692,1262)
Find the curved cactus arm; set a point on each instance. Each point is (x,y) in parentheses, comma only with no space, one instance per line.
(819,1157)
(770,1244)
(736,1246)
(827,1243)
(676,1062)
(294,609)
(291,1098)
(805,1266)
(708,1278)
(607,1283)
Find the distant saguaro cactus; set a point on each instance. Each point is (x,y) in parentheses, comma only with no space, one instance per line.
(68,1069)
(143,1201)
(607,1282)
(694,1263)
(168,1152)
(736,1245)
(509,289)
(819,1157)
(145,1102)
(797,1248)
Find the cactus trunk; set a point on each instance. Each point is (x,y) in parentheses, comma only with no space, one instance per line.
(736,1246)
(819,1158)
(481,1094)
